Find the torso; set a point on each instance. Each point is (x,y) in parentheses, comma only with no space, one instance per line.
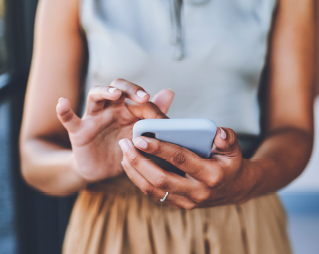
(225,48)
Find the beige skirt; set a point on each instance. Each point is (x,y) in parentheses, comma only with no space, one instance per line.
(114,217)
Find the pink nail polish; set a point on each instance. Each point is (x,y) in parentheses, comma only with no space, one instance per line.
(124,145)
(141,94)
(112,89)
(223,134)
(141,143)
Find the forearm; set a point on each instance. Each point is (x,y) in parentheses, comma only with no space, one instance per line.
(50,168)
(280,159)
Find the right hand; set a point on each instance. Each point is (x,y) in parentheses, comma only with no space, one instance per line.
(111,112)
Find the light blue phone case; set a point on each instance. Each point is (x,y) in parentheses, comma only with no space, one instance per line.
(197,135)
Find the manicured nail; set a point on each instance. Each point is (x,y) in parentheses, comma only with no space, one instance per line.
(141,143)
(141,94)
(60,99)
(223,134)
(112,89)
(124,145)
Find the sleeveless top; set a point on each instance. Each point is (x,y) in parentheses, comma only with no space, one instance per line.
(224,52)
(212,55)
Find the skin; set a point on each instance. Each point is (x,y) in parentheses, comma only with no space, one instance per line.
(49,131)
(62,154)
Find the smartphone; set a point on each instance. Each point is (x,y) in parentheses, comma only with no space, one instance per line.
(197,135)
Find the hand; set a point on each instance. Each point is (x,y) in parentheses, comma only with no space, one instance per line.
(222,179)
(110,114)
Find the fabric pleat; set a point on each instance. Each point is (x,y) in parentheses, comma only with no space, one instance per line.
(115,217)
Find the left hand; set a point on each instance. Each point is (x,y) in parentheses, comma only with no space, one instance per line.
(224,178)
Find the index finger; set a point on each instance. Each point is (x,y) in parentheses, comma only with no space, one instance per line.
(131,90)
(145,111)
(154,174)
(178,156)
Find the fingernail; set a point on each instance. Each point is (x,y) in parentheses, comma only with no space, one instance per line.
(61,98)
(223,134)
(141,94)
(112,89)
(124,145)
(122,163)
(141,143)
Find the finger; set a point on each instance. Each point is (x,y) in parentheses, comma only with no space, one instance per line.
(98,96)
(180,157)
(158,177)
(149,190)
(66,116)
(147,110)
(225,142)
(164,99)
(131,90)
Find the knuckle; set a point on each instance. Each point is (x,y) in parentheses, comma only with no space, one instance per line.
(214,179)
(66,116)
(147,190)
(211,182)
(134,160)
(157,149)
(126,164)
(189,206)
(179,158)
(161,183)
(130,88)
(201,197)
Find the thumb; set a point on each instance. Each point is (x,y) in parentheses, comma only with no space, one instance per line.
(225,142)
(66,115)
(163,99)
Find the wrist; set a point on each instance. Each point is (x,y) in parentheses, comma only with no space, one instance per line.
(253,177)
(79,181)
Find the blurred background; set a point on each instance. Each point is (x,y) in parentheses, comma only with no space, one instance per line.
(32,223)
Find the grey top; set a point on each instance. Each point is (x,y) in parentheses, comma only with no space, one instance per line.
(221,49)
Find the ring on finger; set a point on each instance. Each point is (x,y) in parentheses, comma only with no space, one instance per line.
(163,199)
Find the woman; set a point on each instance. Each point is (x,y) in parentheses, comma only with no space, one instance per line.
(219,50)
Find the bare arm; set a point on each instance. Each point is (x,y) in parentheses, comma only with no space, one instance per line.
(227,178)
(56,70)
(60,152)
(288,144)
